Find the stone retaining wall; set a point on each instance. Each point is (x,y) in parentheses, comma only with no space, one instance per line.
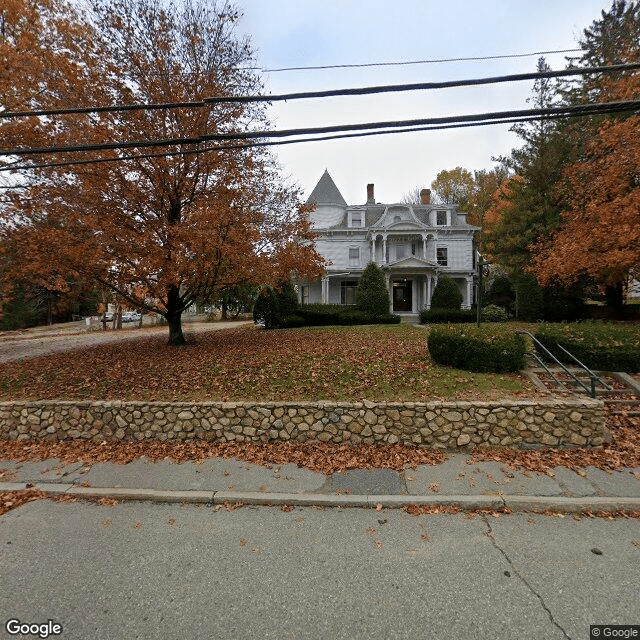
(450,425)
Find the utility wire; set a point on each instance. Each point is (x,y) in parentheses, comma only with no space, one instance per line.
(400,63)
(588,109)
(413,62)
(268,144)
(418,86)
(296,141)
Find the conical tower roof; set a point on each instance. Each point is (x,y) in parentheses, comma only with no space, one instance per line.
(326,192)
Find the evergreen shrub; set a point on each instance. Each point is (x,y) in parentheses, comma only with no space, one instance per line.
(272,305)
(446,295)
(493,313)
(599,346)
(447,316)
(480,349)
(372,296)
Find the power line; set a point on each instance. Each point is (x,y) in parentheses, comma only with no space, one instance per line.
(418,86)
(588,109)
(414,62)
(276,143)
(399,63)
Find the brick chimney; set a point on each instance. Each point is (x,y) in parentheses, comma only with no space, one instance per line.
(370,199)
(425,196)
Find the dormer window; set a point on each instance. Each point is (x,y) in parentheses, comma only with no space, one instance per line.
(441,218)
(356,219)
(397,219)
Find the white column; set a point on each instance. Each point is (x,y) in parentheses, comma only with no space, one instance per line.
(373,249)
(384,249)
(387,278)
(424,246)
(325,290)
(428,305)
(425,299)
(414,295)
(469,291)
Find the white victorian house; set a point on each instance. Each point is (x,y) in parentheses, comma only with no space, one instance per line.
(412,243)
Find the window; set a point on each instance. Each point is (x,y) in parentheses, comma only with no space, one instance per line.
(401,251)
(354,256)
(441,218)
(441,256)
(397,219)
(348,291)
(356,219)
(413,249)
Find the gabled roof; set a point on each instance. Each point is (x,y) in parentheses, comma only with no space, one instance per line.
(412,263)
(326,192)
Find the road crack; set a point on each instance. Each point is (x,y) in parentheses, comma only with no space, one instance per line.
(514,571)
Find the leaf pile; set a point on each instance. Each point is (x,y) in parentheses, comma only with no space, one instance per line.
(322,457)
(378,363)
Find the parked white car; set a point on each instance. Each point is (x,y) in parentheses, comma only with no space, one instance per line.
(131,316)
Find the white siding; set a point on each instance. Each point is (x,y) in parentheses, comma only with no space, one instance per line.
(459,253)
(326,216)
(336,250)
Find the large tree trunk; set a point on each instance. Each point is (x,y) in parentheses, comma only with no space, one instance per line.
(176,337)
(615,296)
(174,318)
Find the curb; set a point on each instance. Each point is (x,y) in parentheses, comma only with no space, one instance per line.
(464,502)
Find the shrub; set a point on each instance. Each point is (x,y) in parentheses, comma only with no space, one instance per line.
(607,347)
(272,306)
(529,302)
(446,295)
(480,349)
(561,305)
(386,318)
(494,313)
(501,292)
(320,315)
(372,296)
(441,316)
(290,322)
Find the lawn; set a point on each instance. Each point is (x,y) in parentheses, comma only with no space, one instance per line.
(331,363)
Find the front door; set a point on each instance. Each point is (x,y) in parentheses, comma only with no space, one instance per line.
(402,295)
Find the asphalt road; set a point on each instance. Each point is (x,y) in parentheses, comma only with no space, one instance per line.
(166,571)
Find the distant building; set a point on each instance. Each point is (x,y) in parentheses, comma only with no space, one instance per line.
(413,244)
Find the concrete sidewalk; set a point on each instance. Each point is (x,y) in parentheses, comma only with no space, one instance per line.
(454,482)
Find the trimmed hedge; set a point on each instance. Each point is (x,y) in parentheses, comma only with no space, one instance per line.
(479,349)
(606,347)
(448,316)
(321,315)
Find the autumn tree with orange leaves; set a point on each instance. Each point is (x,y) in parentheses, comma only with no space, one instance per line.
(158,230)
(599,234)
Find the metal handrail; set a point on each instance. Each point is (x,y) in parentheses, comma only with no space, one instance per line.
(592,376)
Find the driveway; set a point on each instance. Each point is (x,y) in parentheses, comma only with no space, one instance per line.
(39,341)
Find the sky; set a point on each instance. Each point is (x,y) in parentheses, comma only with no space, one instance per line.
(296,33)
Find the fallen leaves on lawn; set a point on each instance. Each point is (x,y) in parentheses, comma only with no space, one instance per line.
(247,363)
